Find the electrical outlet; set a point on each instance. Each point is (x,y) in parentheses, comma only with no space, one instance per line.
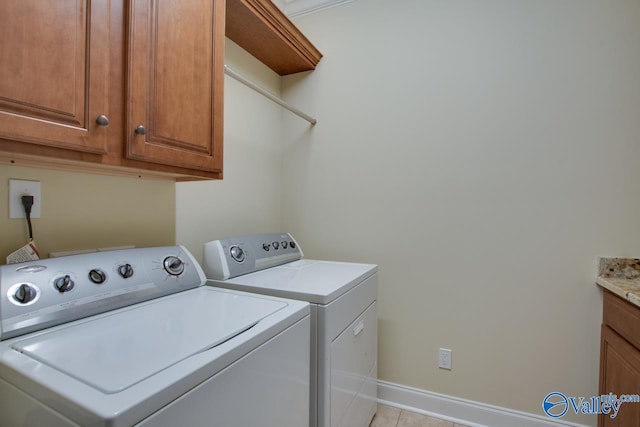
(444,358)
(19,188)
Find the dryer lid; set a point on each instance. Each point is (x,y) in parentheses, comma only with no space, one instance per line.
(115,351)
(315,281)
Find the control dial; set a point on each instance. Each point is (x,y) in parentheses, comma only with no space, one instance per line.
(63,283)
(25,293)
(97,276)
(237,253)
(125,270)
(266,247)
(275,245)
(173,265)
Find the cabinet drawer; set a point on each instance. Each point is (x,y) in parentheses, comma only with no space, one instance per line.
(623,317)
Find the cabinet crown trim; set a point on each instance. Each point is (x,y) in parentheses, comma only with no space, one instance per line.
(262,29)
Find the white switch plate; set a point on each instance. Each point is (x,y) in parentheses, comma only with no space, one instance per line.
(19,188)
(444,358)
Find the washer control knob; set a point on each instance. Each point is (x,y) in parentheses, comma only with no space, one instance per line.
(63,283)
(266,247)
(125,270)
(292,244)
(236,253)
(173,265)
(25,293)
(97,276)
(275,245)
(284,244)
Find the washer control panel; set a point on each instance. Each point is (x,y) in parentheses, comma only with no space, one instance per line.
(40,294)
(236,256)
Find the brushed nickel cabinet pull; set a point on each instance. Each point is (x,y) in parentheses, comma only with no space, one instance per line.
(102,120)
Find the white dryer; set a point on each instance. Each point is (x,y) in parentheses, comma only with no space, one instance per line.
(132,337)
(343,317)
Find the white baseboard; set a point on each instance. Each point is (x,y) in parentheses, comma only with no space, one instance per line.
(462,411)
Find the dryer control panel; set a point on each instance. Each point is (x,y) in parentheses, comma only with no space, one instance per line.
(236,256)
(40,294)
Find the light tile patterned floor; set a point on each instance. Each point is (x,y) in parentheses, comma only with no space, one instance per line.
(388,416)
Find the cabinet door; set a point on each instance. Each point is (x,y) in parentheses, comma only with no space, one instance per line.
(619,374)
(54,72)
(175,82)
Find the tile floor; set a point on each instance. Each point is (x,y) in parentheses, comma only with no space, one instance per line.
(388,416)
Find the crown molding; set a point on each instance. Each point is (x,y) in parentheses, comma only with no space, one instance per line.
(293,8)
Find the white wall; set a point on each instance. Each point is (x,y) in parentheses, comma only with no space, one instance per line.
(248,199)
(483,153)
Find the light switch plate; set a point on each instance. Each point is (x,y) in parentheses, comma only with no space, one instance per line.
(19,188)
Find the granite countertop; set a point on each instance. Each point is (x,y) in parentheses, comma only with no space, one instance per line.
(620,276)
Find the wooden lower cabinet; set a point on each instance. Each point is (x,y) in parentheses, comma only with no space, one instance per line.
(619,359)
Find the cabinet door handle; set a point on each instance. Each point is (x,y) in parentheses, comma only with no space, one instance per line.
(102,120)
(140,130)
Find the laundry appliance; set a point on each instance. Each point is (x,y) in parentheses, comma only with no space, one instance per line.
(343,316)
(131,337)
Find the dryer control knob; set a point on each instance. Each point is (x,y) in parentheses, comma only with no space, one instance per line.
(266,247)
(64,283)
(275,245)
(173,265)
(236,253)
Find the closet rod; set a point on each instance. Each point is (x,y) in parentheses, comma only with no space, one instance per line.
(230,72)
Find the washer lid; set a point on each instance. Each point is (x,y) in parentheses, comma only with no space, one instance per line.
(117,350)
(309,280)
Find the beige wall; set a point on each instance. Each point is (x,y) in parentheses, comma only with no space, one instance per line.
(83,211)
(248,199)
(483,153)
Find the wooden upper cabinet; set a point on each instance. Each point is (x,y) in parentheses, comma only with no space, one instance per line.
(54,63)
(175,81)
(129,87)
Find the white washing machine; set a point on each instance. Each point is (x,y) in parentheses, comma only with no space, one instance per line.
(343,317)
(132,337)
